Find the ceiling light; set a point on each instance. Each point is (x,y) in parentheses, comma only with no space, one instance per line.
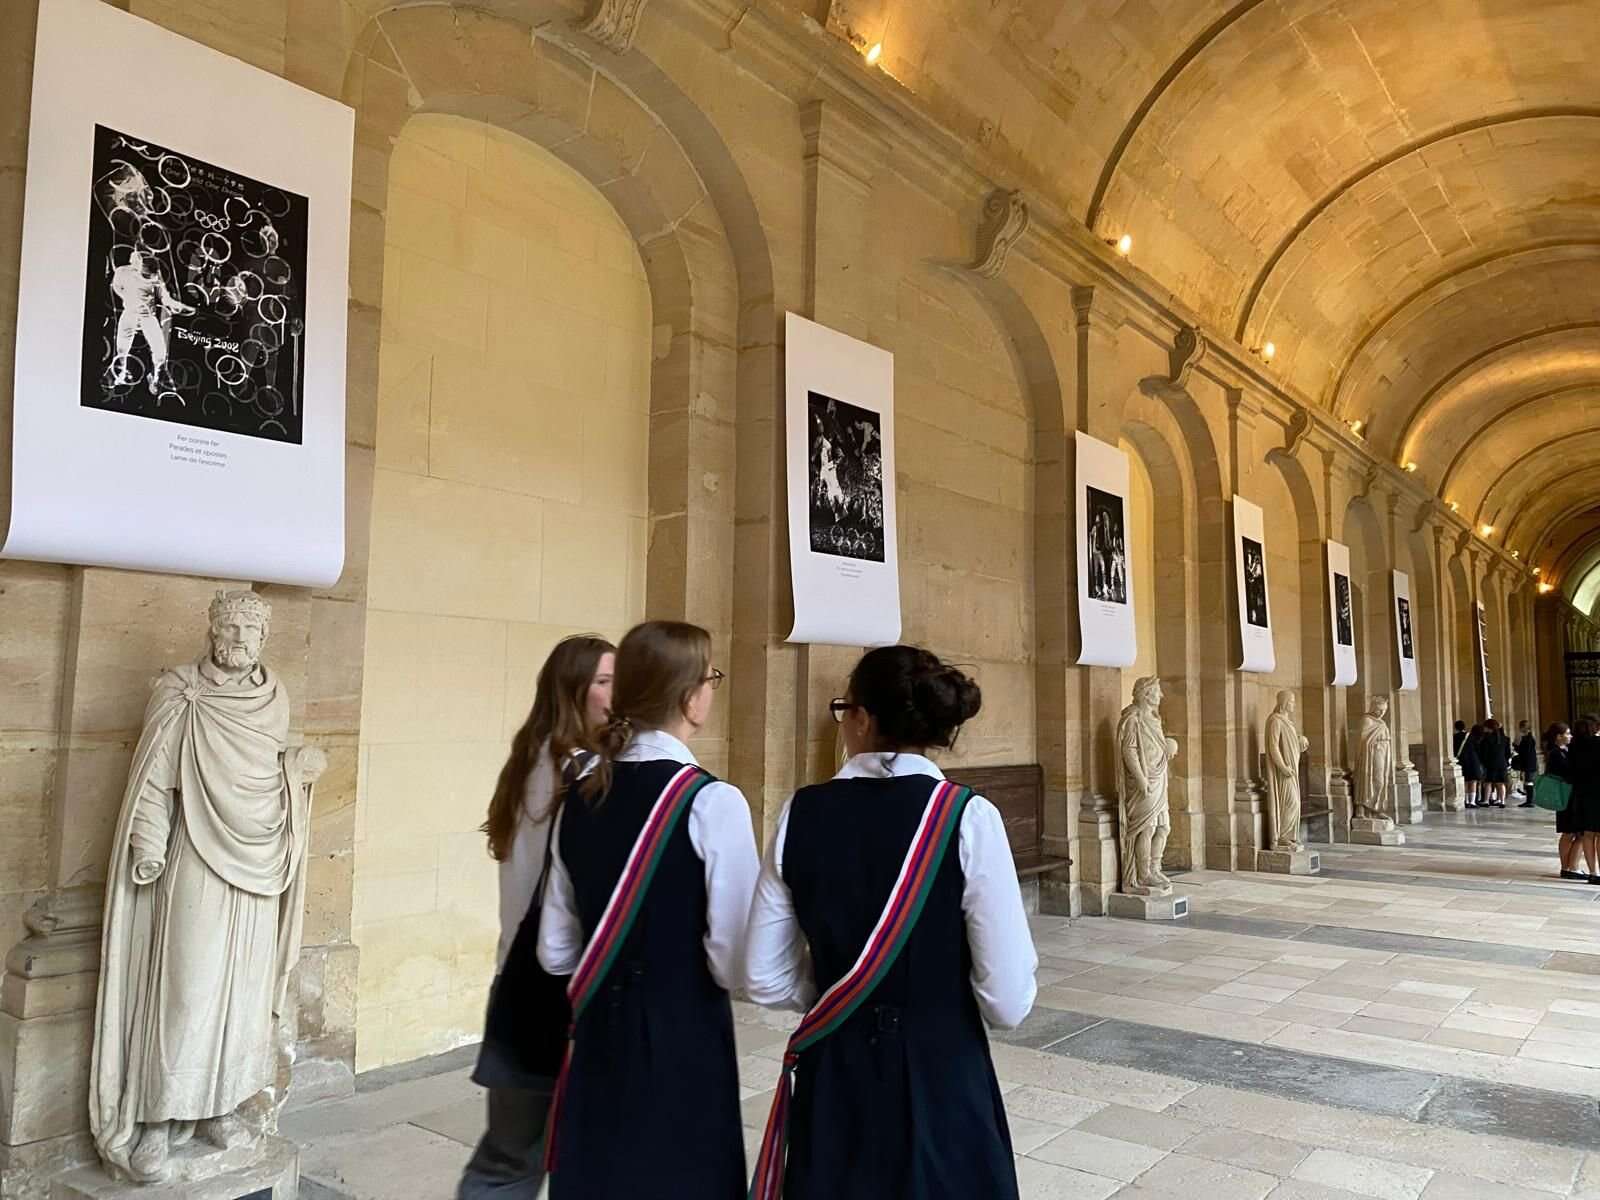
(1411,468)
(1355,426)
(1269,351)
(1486,530)
(1125,244)
(1546,588)
(1516,554)
(874,54)
(1538,570)
(1454,507)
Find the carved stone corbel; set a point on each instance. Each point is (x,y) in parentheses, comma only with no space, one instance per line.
(1295,433)
(1187,352)
(613,23)
(1005,218)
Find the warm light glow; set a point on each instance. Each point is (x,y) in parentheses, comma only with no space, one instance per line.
(875,53)
(1538,570)
(1454,507)
(1411,467)
(1269,351)
(1355,426)
(1125,244)
(1516,554)
(1486,530)
(1546,588)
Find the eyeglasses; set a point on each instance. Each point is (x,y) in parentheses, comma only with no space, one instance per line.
(838,708)
(714,679)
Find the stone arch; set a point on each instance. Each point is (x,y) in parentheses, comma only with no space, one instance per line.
(675,188)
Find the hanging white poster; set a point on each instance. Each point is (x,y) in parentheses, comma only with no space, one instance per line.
(1341,608)
(1250,574)
(839,413)
(180,363)
(1105,572)
(1405,641)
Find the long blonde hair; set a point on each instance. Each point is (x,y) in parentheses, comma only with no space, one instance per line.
(560,704)
(660,665)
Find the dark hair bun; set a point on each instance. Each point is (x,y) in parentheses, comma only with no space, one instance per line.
(916,699)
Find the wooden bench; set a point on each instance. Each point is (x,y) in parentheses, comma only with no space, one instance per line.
(1018,792)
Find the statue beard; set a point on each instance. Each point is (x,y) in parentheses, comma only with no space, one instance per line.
(232,658)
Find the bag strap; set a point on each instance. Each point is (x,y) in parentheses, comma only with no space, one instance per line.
(621,911)
(940,820)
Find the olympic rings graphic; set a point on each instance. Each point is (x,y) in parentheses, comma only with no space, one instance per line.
(215,222)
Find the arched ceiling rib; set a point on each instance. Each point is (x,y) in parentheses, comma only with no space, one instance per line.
(1541,420)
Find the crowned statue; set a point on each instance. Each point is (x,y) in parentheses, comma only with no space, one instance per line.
(1144,764)
(203,905)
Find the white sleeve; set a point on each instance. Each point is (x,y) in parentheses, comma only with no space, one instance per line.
(777,966)
(1003,958)
(722,835)
(561,938)
(519,873)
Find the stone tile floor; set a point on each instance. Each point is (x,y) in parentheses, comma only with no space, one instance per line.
(1418,1024)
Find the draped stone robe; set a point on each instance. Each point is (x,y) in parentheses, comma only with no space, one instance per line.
(1144,758)
(1284,747)
(195,963)
(1374,765)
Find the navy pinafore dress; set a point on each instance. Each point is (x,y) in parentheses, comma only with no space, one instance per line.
(901,1103)
(652,1104)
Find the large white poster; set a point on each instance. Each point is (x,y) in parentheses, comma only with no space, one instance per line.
(1105,570)
(180,363)
(1250,573)
(839,409)
(1405,641)
(1341,609)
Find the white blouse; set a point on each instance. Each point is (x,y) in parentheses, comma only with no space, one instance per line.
(721,834)
(777,961)
(519,873)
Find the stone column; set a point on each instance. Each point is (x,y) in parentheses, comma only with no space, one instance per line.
(1240,832)
(1433,629)
(1095,692)
(1321,707)
(1408,803)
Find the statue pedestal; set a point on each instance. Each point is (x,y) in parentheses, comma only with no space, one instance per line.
(271,1172)
(1289,862)
(1167,907)
(1368,831)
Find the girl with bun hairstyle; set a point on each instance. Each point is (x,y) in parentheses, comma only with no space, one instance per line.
(650,885)
(888,908)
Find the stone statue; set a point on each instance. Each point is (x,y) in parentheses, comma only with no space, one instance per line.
(1374,763)
(1285,745)
(1144,761)
(203,905)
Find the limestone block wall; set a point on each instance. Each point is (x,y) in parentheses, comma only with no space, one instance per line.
(509,510)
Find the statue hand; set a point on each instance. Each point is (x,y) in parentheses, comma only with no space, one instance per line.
(1305,744)
(148,870)
(313,762)
(1172,747)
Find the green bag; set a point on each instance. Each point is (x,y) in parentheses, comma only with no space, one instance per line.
(1552,792)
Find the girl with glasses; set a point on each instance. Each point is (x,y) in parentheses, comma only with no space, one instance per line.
(650,885)
(889,909)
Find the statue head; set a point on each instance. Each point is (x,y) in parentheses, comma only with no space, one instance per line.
(1286,702)
(240,621)
(1147,693)
(1378,707)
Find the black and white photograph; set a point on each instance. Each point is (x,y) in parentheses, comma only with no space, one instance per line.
(1108,548)
(1255,583)
(1406,650)
(1342,612)
(195,298)
(846,485)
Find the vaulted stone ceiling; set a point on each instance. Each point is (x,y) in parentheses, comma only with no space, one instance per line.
(1402,195)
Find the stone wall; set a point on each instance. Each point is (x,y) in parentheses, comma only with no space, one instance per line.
(508,512)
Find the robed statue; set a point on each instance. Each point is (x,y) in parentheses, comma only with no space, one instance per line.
(1144,762)
(1285,745)
(203,904)
(1374,762)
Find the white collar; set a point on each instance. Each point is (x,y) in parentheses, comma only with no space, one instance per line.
(652,745)
(881,765)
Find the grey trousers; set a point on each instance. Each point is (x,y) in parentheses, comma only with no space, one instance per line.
(509,1161)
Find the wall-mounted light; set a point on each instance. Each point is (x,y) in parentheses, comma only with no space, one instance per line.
(874,53)
(1454,507)
(1411,467)
(1538,570)
(1486,530)
(1546,588)
(1122,245)
(1269,350)
(1357,426)
(1516,554)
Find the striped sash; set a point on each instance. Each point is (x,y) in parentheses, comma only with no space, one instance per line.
(627,898)
(940,821)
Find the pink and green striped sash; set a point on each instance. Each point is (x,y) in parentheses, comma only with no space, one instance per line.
(940,821)
(627,898)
